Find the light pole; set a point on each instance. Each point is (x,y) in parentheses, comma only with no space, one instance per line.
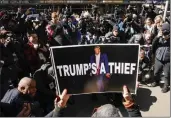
(165,10)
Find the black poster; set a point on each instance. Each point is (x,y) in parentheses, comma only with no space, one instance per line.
(95,68)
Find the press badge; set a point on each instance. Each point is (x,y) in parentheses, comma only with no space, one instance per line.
(42,57)
(51,85)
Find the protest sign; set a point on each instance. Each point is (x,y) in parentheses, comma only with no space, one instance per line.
(95,68)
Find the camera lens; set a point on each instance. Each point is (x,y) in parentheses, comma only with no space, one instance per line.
(166,33)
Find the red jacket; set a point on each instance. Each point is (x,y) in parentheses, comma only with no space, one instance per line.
(32,57)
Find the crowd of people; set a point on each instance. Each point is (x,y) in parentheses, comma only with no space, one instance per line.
(27,77)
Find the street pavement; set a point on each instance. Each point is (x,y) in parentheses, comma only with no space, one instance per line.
(152,102)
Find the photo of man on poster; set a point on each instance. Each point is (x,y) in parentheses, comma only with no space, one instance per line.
(100,69)
(100,59)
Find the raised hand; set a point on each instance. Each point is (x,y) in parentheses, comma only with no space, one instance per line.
(62,99)
(128,101)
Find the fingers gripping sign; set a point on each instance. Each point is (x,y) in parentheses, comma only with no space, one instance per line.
(128,100)
(62,99)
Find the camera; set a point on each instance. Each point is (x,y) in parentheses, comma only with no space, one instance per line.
(8,38)
(6,35)
(165,32)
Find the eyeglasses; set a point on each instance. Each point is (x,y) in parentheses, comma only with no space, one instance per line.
(54,17)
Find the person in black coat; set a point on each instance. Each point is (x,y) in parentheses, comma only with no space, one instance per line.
(161,52)
(114,36)
(9,61)
(45,85)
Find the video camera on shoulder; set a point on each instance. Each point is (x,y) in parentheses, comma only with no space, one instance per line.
(166,33)
(8,36)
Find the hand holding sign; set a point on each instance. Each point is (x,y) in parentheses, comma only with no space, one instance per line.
(62,99)
(128,101)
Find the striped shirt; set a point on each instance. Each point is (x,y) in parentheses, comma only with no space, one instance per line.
(163,50)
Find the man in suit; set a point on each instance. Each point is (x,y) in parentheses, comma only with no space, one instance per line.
(98,58)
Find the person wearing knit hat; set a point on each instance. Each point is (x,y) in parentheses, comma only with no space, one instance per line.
(114,36)
(166,29)
(161,52)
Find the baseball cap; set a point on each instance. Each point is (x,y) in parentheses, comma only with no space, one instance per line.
(166,27)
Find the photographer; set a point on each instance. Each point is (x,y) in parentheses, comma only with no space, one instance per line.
(71,29)
(56,32)
(23,94)
(132,25)
(7,60)
(114,36)
(150,13)
(161,52)
(39,27)
(86,23)
(10,61)
(4,45)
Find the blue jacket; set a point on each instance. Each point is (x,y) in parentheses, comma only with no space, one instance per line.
(103,59)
